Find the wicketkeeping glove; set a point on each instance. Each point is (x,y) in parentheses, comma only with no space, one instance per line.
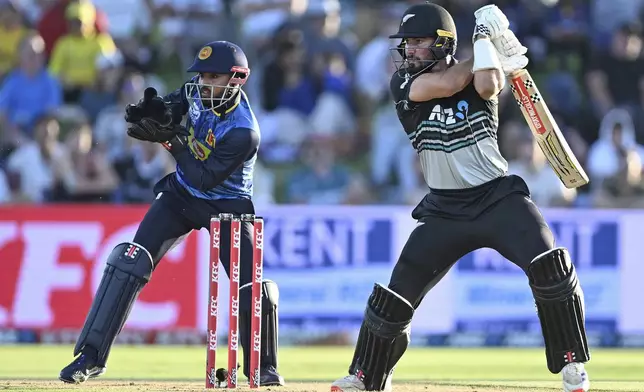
(150,120)
(145,108)
(150,130)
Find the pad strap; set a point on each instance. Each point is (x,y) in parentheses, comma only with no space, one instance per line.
(383,328)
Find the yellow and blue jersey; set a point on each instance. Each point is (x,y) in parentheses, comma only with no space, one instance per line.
(222,148)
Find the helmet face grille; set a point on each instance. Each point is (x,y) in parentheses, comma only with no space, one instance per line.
(203,97)
(442,47)
(426,20)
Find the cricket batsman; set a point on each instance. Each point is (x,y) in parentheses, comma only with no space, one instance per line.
(215,153)
(449,110)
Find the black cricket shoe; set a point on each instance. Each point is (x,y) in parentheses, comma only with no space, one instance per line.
(80,370)
(269,377)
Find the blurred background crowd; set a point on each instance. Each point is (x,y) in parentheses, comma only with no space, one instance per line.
(319,85)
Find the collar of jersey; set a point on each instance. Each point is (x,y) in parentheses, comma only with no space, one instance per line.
(227,109)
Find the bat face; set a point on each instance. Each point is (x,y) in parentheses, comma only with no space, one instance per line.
(546,131)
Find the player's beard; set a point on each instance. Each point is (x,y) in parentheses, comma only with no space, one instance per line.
(418,64)
(210,100)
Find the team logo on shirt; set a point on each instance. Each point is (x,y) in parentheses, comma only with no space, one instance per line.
(447,115)
(210,139)
(198,149)
(452,127)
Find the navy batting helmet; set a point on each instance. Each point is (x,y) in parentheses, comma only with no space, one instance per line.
(220,58)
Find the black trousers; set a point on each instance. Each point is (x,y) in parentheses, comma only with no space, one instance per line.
(175,213)
(498,215)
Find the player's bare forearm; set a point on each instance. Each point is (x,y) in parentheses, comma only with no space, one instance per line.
(441,84)
(488,82)
(462,74)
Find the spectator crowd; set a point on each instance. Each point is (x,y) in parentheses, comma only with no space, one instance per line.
(319,86)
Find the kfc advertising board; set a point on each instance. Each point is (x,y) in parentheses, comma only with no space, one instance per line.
(325,261)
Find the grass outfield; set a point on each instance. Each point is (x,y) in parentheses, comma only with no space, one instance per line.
(31,368)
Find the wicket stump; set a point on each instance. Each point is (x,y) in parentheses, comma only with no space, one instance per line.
(256,297)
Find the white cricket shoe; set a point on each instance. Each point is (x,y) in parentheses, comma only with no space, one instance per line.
(351,383)
(575,378)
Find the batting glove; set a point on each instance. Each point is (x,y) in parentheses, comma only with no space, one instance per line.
(510,64)
(490,22)
(508,44)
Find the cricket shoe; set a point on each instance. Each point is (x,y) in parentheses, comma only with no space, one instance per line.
(269,377)
(575,378)
(80,370)
(352,383)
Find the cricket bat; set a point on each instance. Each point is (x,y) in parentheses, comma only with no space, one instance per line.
(546,131)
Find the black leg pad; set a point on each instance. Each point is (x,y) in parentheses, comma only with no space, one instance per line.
(128,269)
(383,338)
(560,305)
(270,299)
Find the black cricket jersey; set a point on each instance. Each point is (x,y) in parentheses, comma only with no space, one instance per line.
(455,137)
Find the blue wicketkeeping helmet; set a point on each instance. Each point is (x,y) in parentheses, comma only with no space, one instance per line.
(217,57)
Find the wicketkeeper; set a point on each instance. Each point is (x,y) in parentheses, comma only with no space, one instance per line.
(215,153)
(449,110)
